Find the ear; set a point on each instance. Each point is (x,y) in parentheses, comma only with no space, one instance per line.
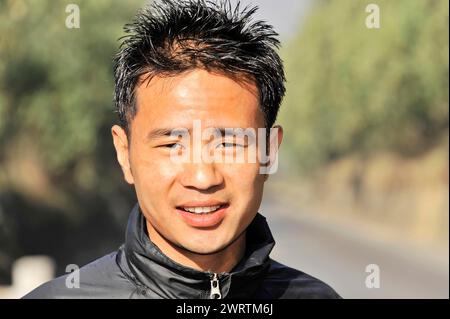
(276,137)
(120,141)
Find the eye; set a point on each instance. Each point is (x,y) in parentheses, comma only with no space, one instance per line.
(229,144)
(172,146)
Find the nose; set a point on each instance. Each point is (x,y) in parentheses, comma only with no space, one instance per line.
(201,176)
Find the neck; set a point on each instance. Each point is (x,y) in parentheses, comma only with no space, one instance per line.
(222,261)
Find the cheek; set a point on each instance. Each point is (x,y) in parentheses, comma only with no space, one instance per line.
(152,173)
(245,180)
(246,186)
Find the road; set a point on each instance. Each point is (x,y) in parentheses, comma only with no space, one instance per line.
(339,258)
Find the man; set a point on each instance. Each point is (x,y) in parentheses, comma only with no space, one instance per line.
(184,68)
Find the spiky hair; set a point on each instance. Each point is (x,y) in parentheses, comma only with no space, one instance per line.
(168,37)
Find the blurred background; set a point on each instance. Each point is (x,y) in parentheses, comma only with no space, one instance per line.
(363,175)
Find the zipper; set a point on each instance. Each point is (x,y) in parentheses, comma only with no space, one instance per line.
(215,288)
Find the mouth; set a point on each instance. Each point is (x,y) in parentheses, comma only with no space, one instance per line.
(203,215)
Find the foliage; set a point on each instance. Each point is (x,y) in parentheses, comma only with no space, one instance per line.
(352,89)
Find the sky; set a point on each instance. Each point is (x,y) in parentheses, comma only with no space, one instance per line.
(285,15)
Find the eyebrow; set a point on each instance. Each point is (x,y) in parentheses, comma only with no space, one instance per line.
(166,132)
(176,132)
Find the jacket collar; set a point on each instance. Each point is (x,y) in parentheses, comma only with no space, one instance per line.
(149,266)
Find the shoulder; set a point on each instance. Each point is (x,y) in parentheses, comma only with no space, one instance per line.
(101,278)
(286,282)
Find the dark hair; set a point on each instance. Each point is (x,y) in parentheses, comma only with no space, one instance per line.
(170,37)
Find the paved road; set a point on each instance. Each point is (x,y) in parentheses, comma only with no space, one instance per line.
(340,259)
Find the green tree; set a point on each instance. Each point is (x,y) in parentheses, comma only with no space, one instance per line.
(354,89)
(58,171)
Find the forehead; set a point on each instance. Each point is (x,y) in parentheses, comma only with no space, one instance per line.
(215,99)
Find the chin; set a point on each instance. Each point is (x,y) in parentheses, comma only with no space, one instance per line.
(204,248)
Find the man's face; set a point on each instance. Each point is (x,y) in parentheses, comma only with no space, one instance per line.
(165,187)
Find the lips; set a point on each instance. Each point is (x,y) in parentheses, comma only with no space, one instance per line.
(203,214)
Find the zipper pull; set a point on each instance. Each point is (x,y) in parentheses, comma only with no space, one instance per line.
(215,288)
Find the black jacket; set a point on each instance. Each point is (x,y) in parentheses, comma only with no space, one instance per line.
(138,269)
